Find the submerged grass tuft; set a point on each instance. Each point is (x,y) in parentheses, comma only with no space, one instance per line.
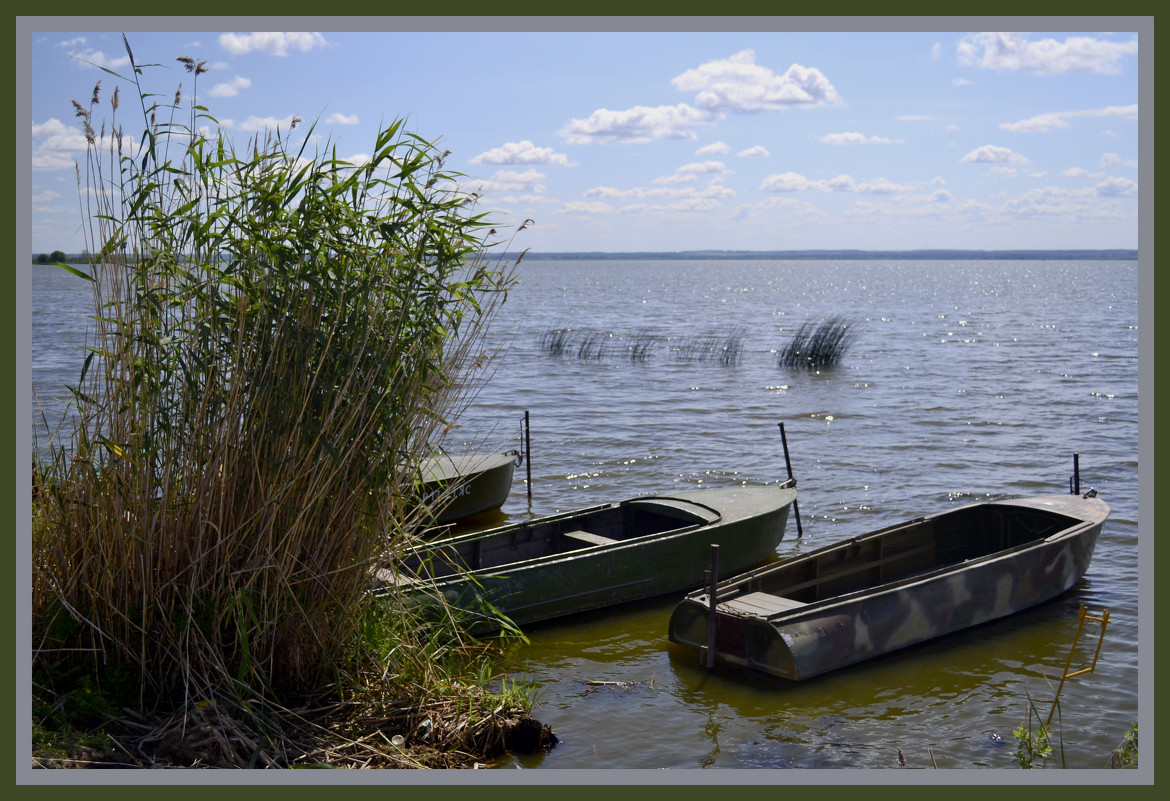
(816,346)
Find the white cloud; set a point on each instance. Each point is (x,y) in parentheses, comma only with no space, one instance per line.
(337,118)
(794,182)
(936,50)
(524,152)
(756,152)
(713,149)
(962,82)
(56,146)
(853,138)
(1112,187)
(1110,160)
(231,88)
(1080,172)
(712,191)
(272,43)
(689,172)
(267,123)
(1013,52)
(581,207)
(96,58)
(636,125)
(738,84)
(511,181)
(1056,119)
(993,154)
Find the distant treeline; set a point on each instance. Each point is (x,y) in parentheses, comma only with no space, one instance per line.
(1037,255)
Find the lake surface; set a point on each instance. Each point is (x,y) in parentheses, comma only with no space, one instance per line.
(967,380)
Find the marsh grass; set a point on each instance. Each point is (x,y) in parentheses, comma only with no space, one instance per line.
(279,337)
(817,346)
(724,348)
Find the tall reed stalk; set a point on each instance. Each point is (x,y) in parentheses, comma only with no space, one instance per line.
(278,336)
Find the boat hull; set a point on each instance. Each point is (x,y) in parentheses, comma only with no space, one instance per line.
(611,562)
(461,486)
(763,627)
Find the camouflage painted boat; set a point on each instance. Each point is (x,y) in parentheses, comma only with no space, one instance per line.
(870,595)
(599,556)
(463,485)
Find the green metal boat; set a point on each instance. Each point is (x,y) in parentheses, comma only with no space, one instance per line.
(459,486)
(596,557)
(872,594)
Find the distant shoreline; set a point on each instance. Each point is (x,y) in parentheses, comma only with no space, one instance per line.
(1033,255)
(1119,254)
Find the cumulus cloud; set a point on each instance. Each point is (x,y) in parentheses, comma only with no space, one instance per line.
(1057,119)
(1049,201)
(961,82)
(1080,172)
(57,146)
(267,123)
(230,88)
(738,84)
(993,154)
(713,149)
(757,152)
(96,58)
(272,43)
(582,208)
(794,182)
(1013,52)
(1114,187)
(712,191)
(511,181)
(1110,160)
(638,124)
(524,152)
(337,118)
(853,138)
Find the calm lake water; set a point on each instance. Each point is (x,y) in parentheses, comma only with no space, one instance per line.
(967,381)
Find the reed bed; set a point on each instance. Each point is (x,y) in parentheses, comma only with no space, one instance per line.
(813,346)
(280,337)
(816,346)
(641,346)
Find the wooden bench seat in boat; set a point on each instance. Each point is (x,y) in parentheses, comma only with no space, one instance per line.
(589,537)
(759,604)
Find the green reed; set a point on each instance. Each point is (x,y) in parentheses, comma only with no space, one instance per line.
(818,345)
(279,334)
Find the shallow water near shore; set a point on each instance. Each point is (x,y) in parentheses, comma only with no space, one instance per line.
(968,380)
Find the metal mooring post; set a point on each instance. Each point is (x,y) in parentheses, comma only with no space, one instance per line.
(791,480)
(528,454)
(712,579)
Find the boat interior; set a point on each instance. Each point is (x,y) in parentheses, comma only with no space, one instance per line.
(891,554)
(593,528)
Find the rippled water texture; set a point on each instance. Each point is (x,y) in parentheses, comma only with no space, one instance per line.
(967,381)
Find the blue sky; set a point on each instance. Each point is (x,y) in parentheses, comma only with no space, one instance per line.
(642,141)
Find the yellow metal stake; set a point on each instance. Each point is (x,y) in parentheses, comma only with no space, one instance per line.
(1081,618)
